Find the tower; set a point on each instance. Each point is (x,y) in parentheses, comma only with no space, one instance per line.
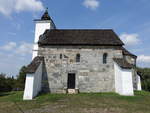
(40,26)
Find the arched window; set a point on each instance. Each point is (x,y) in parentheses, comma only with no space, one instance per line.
(105,58)
(78,58)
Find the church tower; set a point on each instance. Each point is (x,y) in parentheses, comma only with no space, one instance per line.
(40,26)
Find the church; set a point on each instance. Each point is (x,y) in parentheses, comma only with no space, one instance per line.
(72,61)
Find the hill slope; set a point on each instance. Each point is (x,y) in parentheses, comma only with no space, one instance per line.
(81,103)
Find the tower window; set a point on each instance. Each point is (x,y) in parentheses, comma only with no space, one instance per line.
(105,58)
(78,58)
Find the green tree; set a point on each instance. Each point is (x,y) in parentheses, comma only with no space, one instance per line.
(6,83)
(20,82)
(2,82)
(145,78)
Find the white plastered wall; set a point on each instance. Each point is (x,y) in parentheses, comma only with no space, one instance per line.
(138,80)
(28,92)
(33,84)
(40,27)
(123,81)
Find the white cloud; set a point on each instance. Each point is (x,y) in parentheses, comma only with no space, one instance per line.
(9,46)
(13,56)
(21,48)
(130,39)
(143,59)
(92,4)
(24,48)
(12,33)
(7,7)
(10,63)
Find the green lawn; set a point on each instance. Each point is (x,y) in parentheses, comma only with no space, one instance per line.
(81,103)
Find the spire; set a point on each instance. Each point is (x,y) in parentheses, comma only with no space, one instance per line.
(46,15)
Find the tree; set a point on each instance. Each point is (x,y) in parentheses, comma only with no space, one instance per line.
(20,82)
(9,83)
(145,78)
(2,82)
(6,83)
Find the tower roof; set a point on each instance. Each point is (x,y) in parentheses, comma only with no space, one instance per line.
(46,15)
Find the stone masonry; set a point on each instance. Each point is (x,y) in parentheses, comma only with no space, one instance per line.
(91,74)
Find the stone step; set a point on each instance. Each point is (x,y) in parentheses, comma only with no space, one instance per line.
(72,91)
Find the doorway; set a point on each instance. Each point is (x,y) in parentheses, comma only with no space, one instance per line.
(71,81)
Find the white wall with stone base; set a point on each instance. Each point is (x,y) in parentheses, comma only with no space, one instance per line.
(33,84)
(123,81)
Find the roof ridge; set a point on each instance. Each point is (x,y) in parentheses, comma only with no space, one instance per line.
(127,52)
(85,29)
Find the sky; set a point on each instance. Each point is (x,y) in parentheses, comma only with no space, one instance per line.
(130,19)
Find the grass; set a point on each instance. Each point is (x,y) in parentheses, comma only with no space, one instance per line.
(80,103)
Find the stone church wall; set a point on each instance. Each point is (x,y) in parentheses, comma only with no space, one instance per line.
(91,74)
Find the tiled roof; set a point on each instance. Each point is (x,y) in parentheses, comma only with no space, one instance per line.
(80,37)
(123,63)
(32,67)
(126,52)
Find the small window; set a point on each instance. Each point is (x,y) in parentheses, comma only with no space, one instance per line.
(60,56)
(105,58)
(78,58)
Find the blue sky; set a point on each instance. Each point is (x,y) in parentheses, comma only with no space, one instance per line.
(130,19)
